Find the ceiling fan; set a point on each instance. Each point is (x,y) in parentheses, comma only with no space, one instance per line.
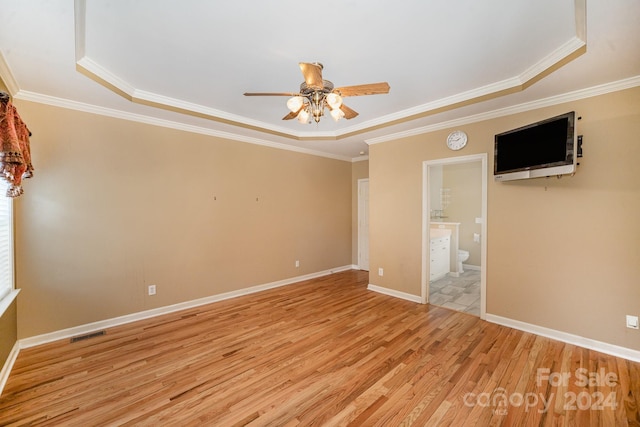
(317,94)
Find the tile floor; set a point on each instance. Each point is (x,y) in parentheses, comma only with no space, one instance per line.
(458,293)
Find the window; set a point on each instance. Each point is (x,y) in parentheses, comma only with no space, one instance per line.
(6,242)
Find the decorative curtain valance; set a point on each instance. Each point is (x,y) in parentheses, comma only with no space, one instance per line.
(15,153)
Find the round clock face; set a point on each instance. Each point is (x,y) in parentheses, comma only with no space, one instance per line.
(456,140)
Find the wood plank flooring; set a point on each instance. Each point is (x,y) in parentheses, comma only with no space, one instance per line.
(322,352)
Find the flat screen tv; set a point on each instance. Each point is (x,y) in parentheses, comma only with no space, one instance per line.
(544,148)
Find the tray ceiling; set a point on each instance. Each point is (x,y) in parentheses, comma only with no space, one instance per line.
(189,62)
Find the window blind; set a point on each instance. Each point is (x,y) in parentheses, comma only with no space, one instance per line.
(6,242)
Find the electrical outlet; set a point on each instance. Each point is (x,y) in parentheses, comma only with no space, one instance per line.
(297,263)
(632,322)
(151,290)
(381,271)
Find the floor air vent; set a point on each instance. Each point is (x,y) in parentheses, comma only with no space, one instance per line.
(87,336)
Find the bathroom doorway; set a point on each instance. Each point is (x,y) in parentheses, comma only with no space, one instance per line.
(454,230)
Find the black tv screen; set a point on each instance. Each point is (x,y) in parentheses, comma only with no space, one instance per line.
(545,147)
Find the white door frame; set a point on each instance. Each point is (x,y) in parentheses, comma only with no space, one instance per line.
(361,231)
(426,218)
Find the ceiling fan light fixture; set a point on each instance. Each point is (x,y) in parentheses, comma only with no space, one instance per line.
(303,116)
(295,103)
(334,100)
(317,106)
(316,94)
(337,114)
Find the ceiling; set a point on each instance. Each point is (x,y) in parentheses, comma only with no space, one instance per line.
(186,64)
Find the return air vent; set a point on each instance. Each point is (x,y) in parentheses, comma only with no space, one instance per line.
(87,336)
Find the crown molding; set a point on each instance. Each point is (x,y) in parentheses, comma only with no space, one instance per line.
(140,118)
(98,73)
(80,27)
(566,51)
(7,76)
(359,159)
(563,54)
(103,76)
(110,112)
(501,112)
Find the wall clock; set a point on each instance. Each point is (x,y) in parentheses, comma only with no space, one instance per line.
(456,140)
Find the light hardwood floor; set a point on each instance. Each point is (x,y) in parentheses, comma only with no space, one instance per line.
(321,352)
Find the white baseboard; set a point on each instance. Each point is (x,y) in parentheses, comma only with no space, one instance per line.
(394,293)
(611,349)
(606,348)
(8,365)
(471,267)
(116,321)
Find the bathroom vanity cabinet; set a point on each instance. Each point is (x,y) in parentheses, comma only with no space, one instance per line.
(440,257)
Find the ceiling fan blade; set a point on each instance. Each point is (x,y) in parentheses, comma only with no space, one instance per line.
(348,112)
(312,75)
(293,114)
(367,89)
(271,94)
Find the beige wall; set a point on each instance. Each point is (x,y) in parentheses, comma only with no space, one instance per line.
(562,253)
(8,332)
(116,205)
(359,170)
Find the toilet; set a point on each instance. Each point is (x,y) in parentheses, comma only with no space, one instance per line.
(462,257)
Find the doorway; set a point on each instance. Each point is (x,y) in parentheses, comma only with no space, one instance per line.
(363,224)
(450,211)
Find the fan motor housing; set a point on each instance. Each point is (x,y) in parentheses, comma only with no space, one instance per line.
(327,88)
